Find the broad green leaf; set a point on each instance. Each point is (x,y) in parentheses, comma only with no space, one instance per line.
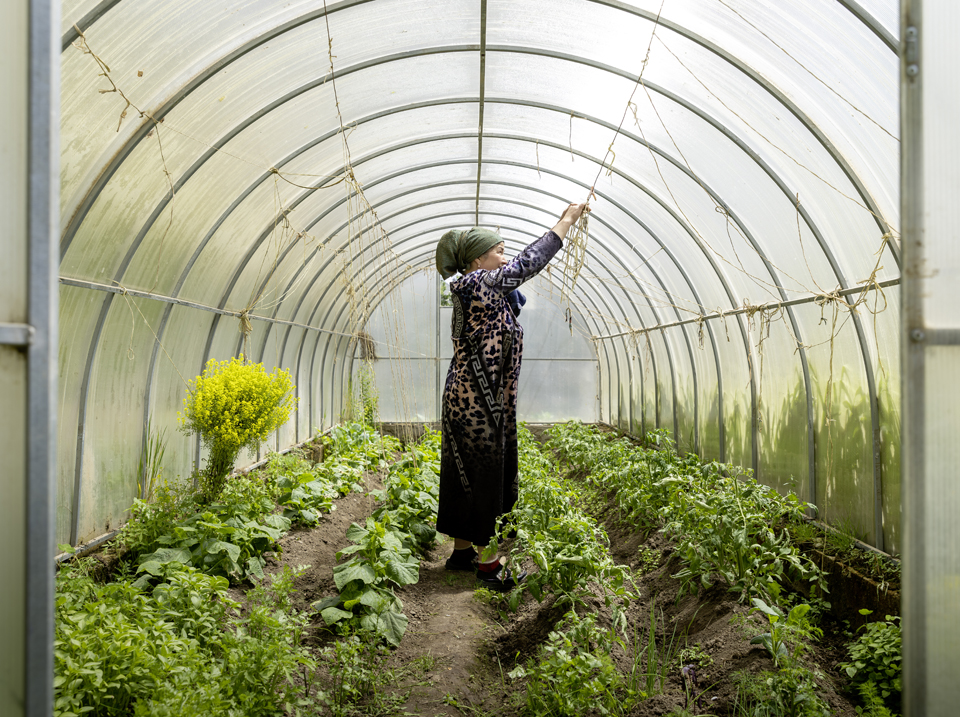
(369,623)
(274,520)
(333,615)
(255,566)
(167,555)
(356,534)
(354,570)
(321,605)
(392,625)
(233,551)
(402,573)
(374,599)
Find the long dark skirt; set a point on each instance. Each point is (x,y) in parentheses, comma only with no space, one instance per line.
(478,460)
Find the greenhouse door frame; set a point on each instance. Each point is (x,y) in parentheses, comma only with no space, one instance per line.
(29,311)
(930,355)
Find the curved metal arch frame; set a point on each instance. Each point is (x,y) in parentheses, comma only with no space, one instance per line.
(337,350)
(393,198)
(794,325)
(691,108)
(212,332)
(388,289)
(860,333)
(213,328)
(767,170)
(196,166)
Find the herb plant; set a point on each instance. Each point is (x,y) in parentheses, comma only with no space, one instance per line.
(234,405)
(875,657)
(575,673)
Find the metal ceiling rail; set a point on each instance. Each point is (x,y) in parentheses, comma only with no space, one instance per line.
(123,291)
(760,307)
(337,319)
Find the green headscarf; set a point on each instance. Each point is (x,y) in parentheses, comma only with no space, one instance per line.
(457,249)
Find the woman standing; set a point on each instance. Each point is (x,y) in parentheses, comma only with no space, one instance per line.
(478,460)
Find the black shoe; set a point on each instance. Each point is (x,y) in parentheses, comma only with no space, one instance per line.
(501,580)
(465,560)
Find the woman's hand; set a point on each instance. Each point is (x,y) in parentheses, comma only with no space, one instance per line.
(569,217)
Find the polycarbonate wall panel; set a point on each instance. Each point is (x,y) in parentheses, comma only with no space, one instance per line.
(887,371)
(113,428)
(648,372)
(78,316)
(683,408)
(782,437)
(539,401)
(404,324)
(623,387)
(705,364)
(665,416)
(737,391)
(406,390)
(843,435)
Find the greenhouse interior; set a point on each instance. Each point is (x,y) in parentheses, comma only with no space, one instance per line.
(757,293)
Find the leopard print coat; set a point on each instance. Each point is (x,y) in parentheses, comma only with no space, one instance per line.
(478,459)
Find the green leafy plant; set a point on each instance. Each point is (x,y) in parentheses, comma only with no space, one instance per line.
(231,547)
(694,655)
(789,692)
(305,493)
(787,639)
(648,559)
(875,657)
(364,398)
(234,405)
(873,704)
(574,673)
(568,547)
(379,559)
(172,502)
(793,689)
(726,525)
(180,650)
(411,494)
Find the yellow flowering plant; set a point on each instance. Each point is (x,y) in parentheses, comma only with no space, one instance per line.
(234,405)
